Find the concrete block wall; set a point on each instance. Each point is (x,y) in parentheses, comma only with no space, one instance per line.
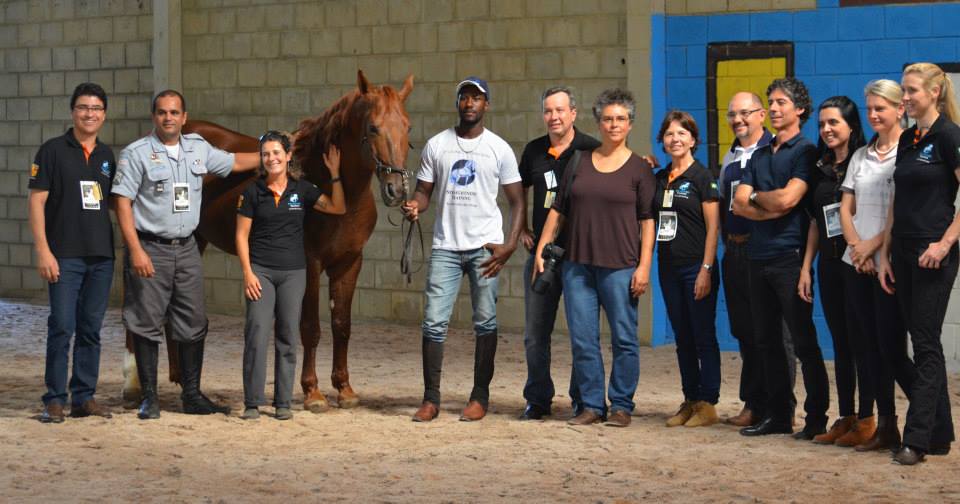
(252,67)
(47,47)
(836,51)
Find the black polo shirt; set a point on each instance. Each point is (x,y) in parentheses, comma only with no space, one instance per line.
(59,167)
(825,180)
(276,236)
(769,171)
(925,181)
(691,189)
(536,162)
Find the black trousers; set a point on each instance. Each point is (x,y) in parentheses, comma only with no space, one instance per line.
(736,289)
(923,295)
(773,297)
(877,315)
(851,368)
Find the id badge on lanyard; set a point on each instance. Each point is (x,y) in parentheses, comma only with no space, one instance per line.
(181,197)
(831,219)
(667,227)
(667,198)
(90,194)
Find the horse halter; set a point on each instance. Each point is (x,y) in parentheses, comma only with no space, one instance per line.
(383,169)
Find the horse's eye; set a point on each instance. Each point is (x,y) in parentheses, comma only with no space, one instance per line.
(374,130)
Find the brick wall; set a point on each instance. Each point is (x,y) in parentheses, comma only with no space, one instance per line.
(47,47)
(253,67)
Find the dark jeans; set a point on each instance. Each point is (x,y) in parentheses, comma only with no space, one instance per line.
(851,367)
(694,323)
(773,296)
(923,295)
(540,316)
(78,302)
(736,288)
(877,316)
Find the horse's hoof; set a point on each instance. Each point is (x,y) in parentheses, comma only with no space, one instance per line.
(131,399)
(347,402)
(318,406)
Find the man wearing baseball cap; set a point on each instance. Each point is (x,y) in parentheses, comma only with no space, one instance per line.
(467,164)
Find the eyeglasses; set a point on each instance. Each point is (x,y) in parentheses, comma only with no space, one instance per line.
(742,113)
(87,108)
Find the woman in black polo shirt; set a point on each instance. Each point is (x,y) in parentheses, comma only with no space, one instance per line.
(270,217)
(923,250)
(688,223)
(841,134)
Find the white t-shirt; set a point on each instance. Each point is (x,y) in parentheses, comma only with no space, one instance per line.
(467,174)
(871,181)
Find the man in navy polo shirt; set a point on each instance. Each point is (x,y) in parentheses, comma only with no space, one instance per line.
(774,183)
(70,220)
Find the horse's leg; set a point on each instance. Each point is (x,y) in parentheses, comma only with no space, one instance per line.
(131,381)
(313,399)
(343,282)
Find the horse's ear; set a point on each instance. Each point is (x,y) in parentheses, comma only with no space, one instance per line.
(407,87)
(362,83)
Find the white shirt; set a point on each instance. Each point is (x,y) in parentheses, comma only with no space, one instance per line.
(467,175)
(871,181)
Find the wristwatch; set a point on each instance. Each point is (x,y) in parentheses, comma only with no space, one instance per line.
(707,266)
(753,196)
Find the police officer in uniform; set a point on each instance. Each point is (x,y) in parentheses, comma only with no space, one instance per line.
(158,189)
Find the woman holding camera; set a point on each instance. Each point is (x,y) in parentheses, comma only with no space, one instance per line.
(605,200)
(269,241)
(688,213)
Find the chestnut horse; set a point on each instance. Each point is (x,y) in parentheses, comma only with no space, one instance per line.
(371,127)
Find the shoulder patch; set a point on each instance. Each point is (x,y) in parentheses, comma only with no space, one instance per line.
(240,201)
(34,170)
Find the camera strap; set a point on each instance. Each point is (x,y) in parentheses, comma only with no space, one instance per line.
(569,173)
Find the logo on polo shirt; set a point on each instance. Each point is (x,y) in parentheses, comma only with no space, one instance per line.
(684,190)
(34,170)
(926,154)
(294,202)
(105,168)
(464,172)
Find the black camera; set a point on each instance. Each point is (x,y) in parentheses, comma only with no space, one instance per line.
(552,257)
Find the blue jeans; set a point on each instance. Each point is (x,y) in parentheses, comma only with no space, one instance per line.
(541,315)
(78,302)
(597,287)
(698,354)
(445,272)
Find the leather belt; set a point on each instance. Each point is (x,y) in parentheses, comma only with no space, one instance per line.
(150,237)
(739,239)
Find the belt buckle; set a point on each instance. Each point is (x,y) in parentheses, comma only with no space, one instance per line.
(176,241)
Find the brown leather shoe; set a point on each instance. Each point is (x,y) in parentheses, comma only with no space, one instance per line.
(473,412)
(427,412)
(89,408)
(745,418)
(619,418)
(586,417)
(860,433)
(887,435)
(839,428)
(52,413)
(682,415)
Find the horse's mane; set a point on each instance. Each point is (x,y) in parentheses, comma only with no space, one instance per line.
(316,134)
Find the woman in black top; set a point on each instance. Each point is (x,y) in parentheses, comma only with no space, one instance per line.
(841,134)
(923,250)
(269,239)
(688,216)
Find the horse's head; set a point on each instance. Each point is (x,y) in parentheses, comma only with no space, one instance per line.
(385,135)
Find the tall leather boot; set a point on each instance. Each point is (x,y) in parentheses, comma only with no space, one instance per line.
(483,360)
(432,355)
(191,364)
(146,353)
(887,435)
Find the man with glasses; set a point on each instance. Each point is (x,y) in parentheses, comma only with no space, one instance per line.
(157,190)
(73,240)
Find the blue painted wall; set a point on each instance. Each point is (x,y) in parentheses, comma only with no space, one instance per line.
(836,51)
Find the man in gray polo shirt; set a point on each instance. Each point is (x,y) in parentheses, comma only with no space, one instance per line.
(158,189)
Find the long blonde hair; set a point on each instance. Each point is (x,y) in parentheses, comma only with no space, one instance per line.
(933,76)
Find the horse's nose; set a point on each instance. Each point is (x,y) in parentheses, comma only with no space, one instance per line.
(391,190)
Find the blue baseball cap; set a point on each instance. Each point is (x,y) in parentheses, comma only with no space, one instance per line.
(478,83)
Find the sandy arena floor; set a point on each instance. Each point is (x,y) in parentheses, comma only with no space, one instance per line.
(376,454)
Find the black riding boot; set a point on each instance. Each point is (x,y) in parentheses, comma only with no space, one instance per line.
(146,353)
(191,363)
(432,366)
(483,357)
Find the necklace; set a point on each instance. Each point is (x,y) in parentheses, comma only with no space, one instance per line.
(883,153)
(465,151)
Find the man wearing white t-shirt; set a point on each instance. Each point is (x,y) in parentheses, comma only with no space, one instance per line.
(467,165)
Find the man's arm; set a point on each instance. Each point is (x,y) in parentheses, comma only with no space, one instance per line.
(743,207)
(420,201)
(47,264)
(526,234)
(501,253)
(783,200)
(139,259)
(245,161)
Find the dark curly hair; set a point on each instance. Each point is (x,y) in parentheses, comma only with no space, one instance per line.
(615,96)
(797,92)
(686,121)
(851,115)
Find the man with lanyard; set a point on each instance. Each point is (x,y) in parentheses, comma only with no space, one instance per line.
(467,164)
(73,238)
(773,184)
(158,191)
(542,166)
